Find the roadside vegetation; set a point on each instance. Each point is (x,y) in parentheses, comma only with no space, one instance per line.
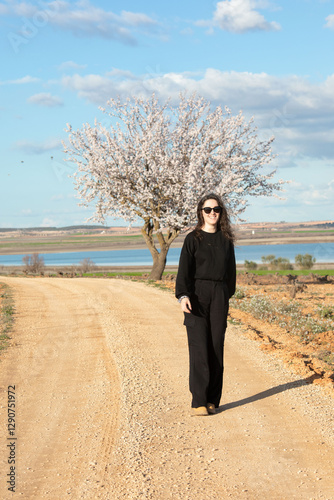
(6,315)
(294,318)
(286,314)
(293,272)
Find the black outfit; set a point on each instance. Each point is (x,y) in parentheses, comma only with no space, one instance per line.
(207,275)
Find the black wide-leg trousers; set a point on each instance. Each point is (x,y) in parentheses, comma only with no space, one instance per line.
(206,326)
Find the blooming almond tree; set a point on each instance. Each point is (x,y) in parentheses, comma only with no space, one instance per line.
(155,161)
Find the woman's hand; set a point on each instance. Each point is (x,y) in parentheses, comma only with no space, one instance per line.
(186,305)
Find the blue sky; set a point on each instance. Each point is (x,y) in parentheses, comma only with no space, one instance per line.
(62,60)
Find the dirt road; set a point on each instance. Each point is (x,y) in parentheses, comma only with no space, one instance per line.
(100,372)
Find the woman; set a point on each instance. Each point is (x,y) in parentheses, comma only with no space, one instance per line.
(205,282)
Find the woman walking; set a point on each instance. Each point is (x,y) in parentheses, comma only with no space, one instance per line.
(205,282)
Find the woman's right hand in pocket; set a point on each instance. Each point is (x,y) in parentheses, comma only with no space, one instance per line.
(186,305)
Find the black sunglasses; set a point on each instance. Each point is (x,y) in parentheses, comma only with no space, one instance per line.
(207,210)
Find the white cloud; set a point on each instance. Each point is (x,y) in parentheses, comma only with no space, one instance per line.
(20,81)
(255,92)
(94,88)
(299,113)
(32,147)
(86,20)
(330,21)
(240,16)
(305,200)
(137,19)
(46,100)
(62,197)
(23,8)
(187,31)
(68,65)
(3,9)
(317,194)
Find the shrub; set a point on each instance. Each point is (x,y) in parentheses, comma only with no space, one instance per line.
(239,293)
(268,259)
(87,265)
(326,312)
(287,315)
(276,263)
(6,315)
(250,265)
(305,261)
(33,263)
(282,263)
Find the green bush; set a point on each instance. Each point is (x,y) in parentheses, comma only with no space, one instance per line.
(268,259)
(305,261)
(280,263)
(250,265)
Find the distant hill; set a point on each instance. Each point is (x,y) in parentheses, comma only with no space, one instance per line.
(247,226)
(65,228)
(329,224)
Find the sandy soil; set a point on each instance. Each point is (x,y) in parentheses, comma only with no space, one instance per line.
(100,371)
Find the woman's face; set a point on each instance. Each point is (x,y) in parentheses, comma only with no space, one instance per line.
(211,219)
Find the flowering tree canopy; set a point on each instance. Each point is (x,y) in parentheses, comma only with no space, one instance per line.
(155,161)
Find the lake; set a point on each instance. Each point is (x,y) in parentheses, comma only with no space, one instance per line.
(323,252)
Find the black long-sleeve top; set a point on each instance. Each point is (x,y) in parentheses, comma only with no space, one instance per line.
(210,257)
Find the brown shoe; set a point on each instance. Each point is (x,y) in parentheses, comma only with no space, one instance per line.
(201,411)
(211,408)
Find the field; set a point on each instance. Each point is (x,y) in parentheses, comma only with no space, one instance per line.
(80,238)
(292,321)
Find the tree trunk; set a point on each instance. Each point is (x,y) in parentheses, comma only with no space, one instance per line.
(159,264)
(159,258)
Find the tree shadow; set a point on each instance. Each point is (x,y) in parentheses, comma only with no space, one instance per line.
(268,393)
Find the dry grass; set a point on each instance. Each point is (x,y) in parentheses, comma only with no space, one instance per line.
(6,315)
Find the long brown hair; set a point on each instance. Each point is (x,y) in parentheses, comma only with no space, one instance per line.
(224,221)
